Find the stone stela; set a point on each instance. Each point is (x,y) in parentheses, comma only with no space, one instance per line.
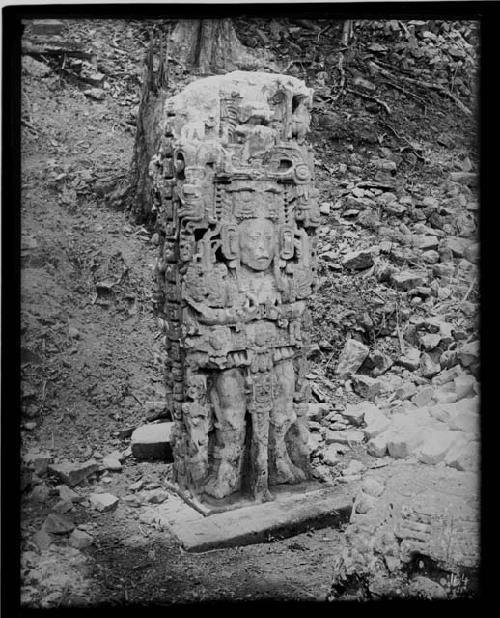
(237,213)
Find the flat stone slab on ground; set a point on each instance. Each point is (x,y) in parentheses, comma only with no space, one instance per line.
(152,442)
(74,473)
(289,514)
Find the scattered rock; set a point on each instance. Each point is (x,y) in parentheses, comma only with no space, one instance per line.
(411,359)
(366,387)
(406,281)
(425,243)
(406,391)
(112,463)
(74,473)
(40,493)
(465,178)
(138,485)
(376,422)
(424,396)
(65,493)
(34,67)
(43,539)
(151,442)
(56,523)
(377,446)
(430,341)
(447,376)
(358,260)
(324,208)
(103,502)
(73,332)
(364,503)
(80,539)
(436,445)
(469,353)
(355,412)
(426,588)
(465,385)
(330,455)
(464,455)
(372,487)
(317,411)
(349,436)
(403,443)
(154,496)
(354,467)
(378,362)
(63,506)
(95,93)
(428,367)
(351,358)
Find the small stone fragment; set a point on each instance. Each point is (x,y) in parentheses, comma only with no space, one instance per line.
(430,341)
(377,446)
(317,411)
(112,463)
(40,493)
(464,385)
(469,353)
(436,445)
(406,391)
(56,523)
(104,502)
(406,281)
(376,422)
(73,473)
(428,367)
(155,496)
(358,260)
(372,487)
(404,441)
(351,358)
(465,455)
(43,539)
(95,93)
(331,456)
(426,588)
(80,539)
(354,467)
(364,503)
(366,387)
(65,493)
(355,413)
(423,396)
(349,436)
(411,359)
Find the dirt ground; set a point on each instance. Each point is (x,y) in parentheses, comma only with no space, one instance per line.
(90,341)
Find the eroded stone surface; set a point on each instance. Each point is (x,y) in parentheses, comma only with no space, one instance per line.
(237,213)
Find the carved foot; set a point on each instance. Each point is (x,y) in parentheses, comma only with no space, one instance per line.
(287,473)
(263,495)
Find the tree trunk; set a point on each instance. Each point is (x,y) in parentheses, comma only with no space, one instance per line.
(212,44)
(207,45)
(147,137)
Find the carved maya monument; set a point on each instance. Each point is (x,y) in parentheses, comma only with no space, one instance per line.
(237,213)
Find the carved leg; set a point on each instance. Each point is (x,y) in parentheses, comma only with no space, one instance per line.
(281,467)
(260,438)
(228,398)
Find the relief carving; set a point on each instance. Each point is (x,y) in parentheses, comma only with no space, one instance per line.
(237,213)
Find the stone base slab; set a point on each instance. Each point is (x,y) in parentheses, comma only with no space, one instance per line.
(289,514)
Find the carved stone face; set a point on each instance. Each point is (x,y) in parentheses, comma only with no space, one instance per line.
(257,243)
